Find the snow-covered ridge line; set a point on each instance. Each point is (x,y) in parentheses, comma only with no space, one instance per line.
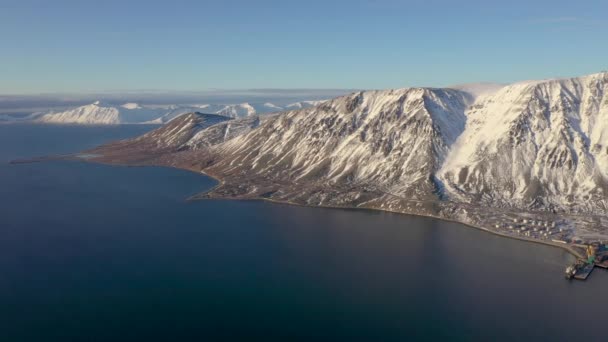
(535,146)
(535,143)
(99,112)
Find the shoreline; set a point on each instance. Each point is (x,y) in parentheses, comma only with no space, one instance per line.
(195,197)
(564,247)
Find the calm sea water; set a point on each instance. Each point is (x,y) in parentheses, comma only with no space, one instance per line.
(101,253)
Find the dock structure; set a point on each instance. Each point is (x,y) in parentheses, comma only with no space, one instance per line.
(601,257)
(584,272)
(597,255)
(603,264)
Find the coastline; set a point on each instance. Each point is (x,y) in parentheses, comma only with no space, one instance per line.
(564,247)
(220,181)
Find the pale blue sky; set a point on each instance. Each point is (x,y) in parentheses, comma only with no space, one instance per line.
(107,45)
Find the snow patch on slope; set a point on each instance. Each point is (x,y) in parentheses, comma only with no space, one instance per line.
(304,104)
(535,141)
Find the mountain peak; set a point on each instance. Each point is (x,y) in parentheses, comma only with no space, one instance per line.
(531,146)
(131,105)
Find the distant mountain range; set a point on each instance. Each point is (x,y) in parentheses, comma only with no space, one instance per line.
(535,145)
(100,113)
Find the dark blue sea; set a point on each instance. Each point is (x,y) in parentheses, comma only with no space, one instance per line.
(93,252)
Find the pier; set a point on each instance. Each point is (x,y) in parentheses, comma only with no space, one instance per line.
(597,255)
(584,272)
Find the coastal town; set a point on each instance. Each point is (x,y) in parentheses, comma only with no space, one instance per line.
(590,250)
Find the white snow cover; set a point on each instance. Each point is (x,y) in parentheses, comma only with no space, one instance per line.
(100,113)
(534,144)
(237,111)
(304,104)
(389,138)
(272,106)
(535,140)
(131,106)
(179,131)
(130,113)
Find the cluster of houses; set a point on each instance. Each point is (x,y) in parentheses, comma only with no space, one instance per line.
(534,228)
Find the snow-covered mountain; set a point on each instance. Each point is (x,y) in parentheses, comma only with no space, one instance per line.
(131,113)
(178,132)
(102,113)
(539,143)
(394,139)
(250,109)
(303,104)
(530,145)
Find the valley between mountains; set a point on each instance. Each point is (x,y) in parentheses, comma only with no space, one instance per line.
(528,160)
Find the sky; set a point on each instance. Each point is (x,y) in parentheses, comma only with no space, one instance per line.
(84,46)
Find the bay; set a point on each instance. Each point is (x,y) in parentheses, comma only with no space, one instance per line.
(93,252)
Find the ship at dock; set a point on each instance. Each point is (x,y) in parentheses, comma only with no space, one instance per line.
(580,270)
(570,271)
(597,255)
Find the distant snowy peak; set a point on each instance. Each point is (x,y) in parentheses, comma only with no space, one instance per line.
(272,106)
(304,104)
(247,109)
(101,113)
(238,110)
(131,106)
(94,113)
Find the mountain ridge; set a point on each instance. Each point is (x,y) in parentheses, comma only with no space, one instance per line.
(103,113)
(527,147)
